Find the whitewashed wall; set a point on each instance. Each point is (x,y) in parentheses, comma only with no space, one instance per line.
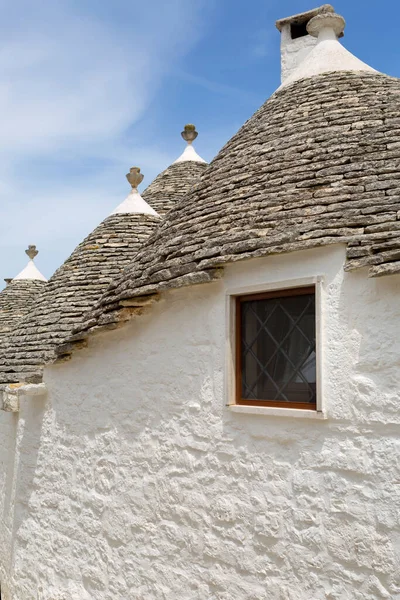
(293,52)
(134,481)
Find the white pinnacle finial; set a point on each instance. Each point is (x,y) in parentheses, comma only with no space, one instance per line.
(135,177)
(134,202)
(30,271)
(189,134)
(328,55)
(31,251)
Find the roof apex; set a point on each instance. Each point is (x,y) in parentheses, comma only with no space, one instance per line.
(189,154)
(134,203)
(30,272)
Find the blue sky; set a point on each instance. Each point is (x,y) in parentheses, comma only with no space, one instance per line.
(89,88)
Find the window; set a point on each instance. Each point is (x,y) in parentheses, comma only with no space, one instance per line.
(276,349)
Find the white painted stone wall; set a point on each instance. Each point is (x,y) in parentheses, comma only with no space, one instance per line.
(133,480)
(293,52)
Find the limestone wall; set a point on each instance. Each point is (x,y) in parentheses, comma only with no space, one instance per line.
(133,480)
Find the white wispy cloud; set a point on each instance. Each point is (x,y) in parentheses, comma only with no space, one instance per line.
(74,77)
(215,86)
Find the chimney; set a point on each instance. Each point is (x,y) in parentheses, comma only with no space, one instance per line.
(296,43)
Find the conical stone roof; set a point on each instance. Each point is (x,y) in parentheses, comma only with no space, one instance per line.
(18,297)
(71,291)
(74,288)
(79,283)
(172,185)
(176,180)
(317,164)
(16,300)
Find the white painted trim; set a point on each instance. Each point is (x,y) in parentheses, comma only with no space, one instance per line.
(230,350)
(275,411)
(319,346)
(284,284)
(230,347)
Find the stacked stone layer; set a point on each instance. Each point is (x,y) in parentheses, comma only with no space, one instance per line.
(16,300)
(317,164)
(74,288)
(172,184)
(81,281)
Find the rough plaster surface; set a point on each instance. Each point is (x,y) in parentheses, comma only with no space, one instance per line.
(133,480)
(293,52)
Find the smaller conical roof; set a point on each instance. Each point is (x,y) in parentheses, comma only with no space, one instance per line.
(176,181)
(189,154)
(19,295)
(79,283)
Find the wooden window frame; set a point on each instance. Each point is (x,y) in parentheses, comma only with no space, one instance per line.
(276,293)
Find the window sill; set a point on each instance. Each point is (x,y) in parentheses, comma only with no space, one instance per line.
(274,411)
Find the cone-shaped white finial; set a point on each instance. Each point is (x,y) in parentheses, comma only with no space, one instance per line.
(189,134)
(134,202)
(30,271)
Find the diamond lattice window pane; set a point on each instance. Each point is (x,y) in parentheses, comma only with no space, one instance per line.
(278,349)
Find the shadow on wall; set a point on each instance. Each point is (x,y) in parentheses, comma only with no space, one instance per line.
(25,431)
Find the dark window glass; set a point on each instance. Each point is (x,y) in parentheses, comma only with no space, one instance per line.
(277,348)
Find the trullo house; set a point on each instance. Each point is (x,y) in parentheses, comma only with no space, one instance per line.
(17,298)
(227,424)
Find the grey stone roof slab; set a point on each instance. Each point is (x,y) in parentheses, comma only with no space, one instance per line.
(172,184)
(16,300)
(317,164)
(73,289)
(80,282)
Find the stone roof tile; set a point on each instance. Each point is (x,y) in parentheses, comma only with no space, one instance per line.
(71,291)
(172,184)
(317,164)
(79,283)
(16,300)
